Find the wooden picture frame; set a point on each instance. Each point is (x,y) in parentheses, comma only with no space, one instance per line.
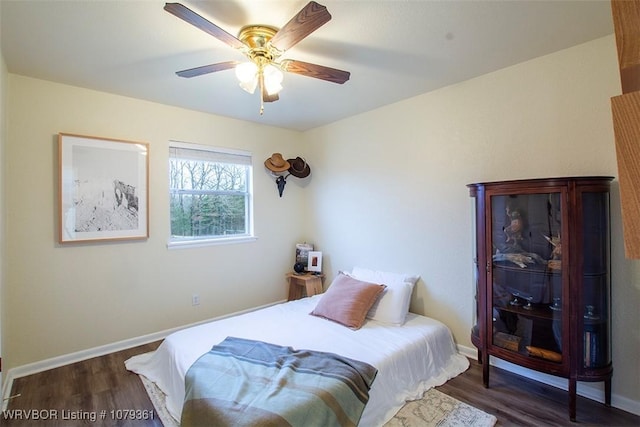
(103,187)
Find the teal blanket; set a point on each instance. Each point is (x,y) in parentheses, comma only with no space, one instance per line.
(243,382)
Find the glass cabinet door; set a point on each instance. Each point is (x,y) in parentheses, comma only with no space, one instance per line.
(596,281)
(527,288)
(475,330)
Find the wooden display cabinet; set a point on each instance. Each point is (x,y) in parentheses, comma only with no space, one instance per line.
(543,293)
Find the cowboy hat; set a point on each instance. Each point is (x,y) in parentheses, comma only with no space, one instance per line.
(276,163)
(299,167)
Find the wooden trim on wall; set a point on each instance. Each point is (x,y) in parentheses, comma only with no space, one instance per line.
(626,119)
(626,21)
(626,126)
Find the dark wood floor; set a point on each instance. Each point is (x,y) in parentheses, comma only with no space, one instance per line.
(519,401)
(103,384)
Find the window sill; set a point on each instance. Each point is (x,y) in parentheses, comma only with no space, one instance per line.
(210,242)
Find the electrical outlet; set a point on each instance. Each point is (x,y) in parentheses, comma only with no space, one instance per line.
(195,299)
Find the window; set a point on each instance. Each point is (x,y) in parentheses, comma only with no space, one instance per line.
(210,194)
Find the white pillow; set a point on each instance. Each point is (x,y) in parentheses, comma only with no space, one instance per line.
(393,304)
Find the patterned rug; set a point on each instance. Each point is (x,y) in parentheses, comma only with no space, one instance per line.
(438,409)
(435,409)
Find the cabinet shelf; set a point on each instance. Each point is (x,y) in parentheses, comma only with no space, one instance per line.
(541,312)
(543,277)
(530,269)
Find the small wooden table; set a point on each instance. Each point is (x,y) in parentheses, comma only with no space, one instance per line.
(301,285)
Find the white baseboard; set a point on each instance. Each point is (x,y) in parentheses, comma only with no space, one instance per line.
(593,391)
(66,359)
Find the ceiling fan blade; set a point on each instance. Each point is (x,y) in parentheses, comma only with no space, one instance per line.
(269,98)
(198,21)
(206,69)
(316,71)
(309,19)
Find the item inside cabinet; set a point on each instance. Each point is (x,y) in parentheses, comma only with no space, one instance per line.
(510,342)
(544,353)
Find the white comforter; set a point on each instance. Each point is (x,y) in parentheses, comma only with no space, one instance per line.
(410,359)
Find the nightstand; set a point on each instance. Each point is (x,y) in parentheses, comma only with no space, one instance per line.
(301,285)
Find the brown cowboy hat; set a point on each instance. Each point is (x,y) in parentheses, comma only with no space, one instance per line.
(277,163)
(299,167)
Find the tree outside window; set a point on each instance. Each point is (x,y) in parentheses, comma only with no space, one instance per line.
(210,195)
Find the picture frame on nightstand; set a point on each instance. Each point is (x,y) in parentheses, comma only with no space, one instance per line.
(314,263)
(302,252)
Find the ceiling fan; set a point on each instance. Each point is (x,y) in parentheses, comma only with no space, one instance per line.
(264,45)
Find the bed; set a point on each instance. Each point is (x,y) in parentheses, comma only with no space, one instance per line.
(410,358)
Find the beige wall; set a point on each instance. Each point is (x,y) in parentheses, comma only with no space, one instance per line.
(62,299)
(3,139)
(387,191)
(390,185)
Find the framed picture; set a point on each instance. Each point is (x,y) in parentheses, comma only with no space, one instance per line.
(103,189)
(315,262)
(302,252)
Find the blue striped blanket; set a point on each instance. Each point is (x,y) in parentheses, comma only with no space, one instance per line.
(243,382)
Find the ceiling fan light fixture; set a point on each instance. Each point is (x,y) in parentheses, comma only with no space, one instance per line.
(273,77)
(247,74)
(250,87)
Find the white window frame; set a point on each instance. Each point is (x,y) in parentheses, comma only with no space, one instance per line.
(249,236)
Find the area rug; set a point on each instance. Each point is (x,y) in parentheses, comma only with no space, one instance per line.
(435,409)
(438,409)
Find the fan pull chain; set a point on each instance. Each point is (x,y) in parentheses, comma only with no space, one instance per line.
(261,81)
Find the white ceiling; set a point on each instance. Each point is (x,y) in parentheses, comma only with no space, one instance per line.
(393,49)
